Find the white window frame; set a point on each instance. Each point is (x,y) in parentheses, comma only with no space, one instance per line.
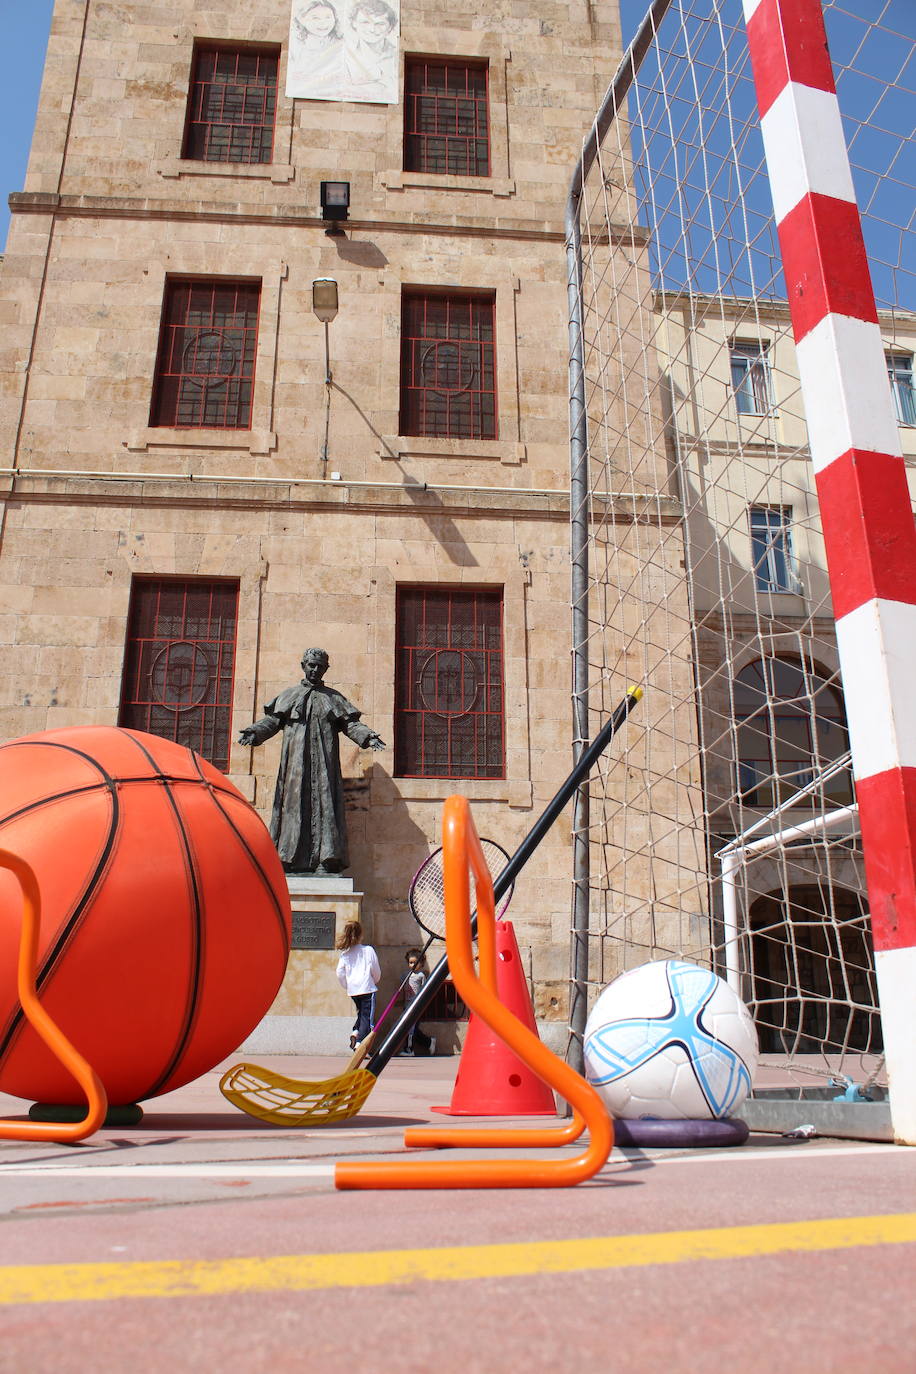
(771,548)
(754,389)
(900,373)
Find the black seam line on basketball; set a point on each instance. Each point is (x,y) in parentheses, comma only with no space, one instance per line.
(191,1005)
(58,796)
(46,969)
(122,781)
(48,964)
(106,784)
(286,941)
(67,749)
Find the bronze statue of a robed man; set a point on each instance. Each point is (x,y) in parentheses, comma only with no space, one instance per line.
(308,824)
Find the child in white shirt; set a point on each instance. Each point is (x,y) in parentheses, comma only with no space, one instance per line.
(358,973)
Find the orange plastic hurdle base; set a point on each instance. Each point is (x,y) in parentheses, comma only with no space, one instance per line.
(51,1034)
(462,851)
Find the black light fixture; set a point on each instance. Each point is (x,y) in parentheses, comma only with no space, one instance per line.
(335,203)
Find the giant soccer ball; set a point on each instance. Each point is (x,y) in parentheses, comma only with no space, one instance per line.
(670,1040)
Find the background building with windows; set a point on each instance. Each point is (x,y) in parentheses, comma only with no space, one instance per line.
(194,492)
(772,718)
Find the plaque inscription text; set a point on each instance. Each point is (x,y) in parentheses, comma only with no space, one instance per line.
(313,929)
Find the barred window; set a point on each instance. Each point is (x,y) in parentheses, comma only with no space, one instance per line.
(449,708)
(179,662)
(446,116)
(444,1005)
(232,105)
(207,344)
(448,365)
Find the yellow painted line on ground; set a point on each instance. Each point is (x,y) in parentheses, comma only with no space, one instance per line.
(374,1268)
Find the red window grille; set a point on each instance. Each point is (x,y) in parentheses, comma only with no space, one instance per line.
(449,712)
(179,663)
(232,105)
(446,117)
(448,366)
(207,344)
(445,1004)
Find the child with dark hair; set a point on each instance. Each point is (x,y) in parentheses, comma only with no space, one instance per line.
(416,978)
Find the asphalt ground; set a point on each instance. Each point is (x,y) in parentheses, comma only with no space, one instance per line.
(202,1239)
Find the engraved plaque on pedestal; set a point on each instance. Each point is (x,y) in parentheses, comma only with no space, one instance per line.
(321,907)
(314,929)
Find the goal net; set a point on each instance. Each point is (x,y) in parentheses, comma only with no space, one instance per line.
(722,826)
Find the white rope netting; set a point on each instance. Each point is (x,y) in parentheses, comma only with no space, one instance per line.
(707,574)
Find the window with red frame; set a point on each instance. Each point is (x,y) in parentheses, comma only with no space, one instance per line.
(232,105)
(179,663)
(448,365)
(207,344)
(444,1005)
(446,117)
(449,711)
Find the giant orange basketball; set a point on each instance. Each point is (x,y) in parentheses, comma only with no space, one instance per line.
(165,924)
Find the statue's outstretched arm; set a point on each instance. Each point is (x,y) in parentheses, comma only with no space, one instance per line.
(261,730)
(361,734)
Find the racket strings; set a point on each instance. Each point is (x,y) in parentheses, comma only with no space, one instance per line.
(426,897)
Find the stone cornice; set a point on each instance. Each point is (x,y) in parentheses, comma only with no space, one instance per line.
(63,488)
(145,208)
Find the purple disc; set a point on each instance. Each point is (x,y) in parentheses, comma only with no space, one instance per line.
(680,1134)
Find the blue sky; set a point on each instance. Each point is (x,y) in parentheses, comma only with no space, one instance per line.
(26,24)
(25,30)
(700,175)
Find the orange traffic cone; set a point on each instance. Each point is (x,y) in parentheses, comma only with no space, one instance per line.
(492,1081)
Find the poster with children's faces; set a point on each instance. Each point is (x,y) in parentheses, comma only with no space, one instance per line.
(344,50)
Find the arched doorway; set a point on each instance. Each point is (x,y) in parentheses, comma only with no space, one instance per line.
(790,726)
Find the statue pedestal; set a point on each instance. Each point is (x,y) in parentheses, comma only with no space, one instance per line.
(311,897)
(312,1014)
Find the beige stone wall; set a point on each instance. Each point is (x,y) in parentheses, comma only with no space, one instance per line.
(93,353)
(93,496)
(307,574)
(549,65)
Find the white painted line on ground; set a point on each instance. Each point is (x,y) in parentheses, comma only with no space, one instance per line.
(124,1171)
(295,1169)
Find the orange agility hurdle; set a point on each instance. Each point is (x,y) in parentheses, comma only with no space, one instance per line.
(461,852)
(50,1032)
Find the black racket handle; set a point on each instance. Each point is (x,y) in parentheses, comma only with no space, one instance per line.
(413,1013)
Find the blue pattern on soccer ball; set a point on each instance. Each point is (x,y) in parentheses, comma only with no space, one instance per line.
(722,1076)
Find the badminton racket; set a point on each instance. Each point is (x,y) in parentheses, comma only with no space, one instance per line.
(426,901)
(426,894)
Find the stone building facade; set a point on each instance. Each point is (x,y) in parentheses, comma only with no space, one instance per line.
(768,686)
(319,510)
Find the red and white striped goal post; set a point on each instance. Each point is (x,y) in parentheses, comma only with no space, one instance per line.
(869,531)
